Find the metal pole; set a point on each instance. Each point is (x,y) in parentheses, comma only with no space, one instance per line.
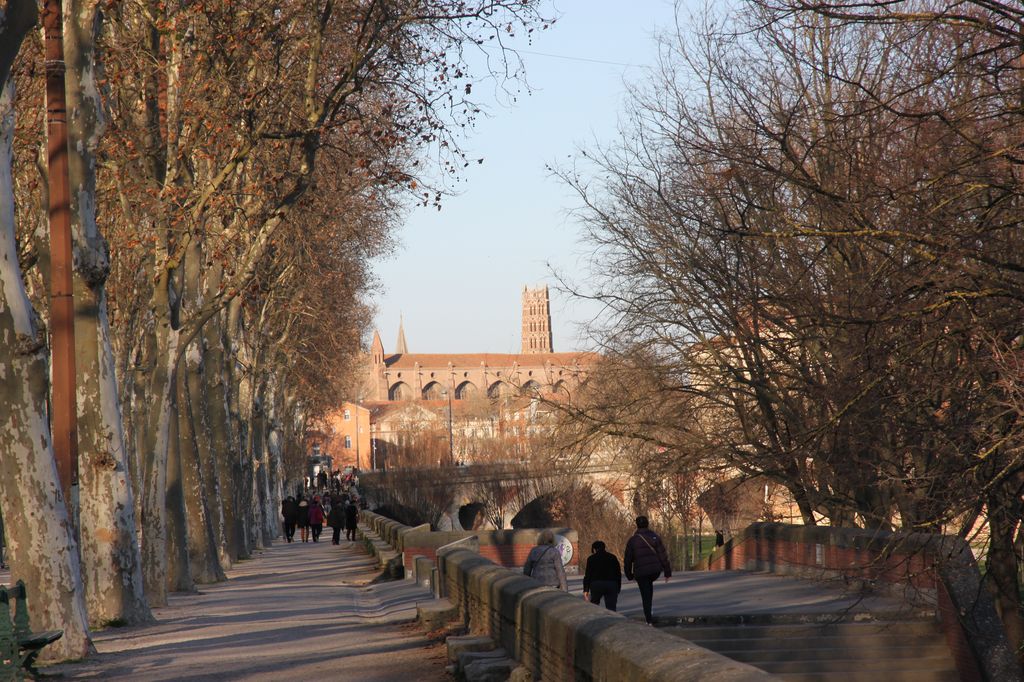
(62,310)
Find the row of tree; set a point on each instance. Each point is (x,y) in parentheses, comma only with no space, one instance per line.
(234,165)
(810,247)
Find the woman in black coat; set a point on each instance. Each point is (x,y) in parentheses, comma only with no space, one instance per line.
(290,513)
(603,577)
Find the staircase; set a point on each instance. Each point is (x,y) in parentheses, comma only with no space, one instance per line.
(873,651)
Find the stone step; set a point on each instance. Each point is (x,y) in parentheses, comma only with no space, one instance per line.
(461,643)
(436,613)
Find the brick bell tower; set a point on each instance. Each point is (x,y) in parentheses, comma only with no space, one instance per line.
(536,320)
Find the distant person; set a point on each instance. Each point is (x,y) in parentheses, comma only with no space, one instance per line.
(544,563)
(645,558)
(321,480)
(603,577)
(316,518)
(351,520)
(303,519)
(336,519)
(290,513)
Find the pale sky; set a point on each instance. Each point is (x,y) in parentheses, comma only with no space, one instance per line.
(459,273)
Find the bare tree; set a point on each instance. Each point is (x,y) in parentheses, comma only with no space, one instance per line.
(810,276)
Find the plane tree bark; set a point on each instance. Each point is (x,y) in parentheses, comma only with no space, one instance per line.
(41,544)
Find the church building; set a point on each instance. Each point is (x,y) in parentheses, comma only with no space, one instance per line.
(406,376)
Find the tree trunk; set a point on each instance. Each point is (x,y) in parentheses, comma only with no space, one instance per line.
(202,550)
(111,562)
(202,545)
(40,542)
(240,465)
(163,514)
(1003,518)
(224,453)
(257,532)
(179,571)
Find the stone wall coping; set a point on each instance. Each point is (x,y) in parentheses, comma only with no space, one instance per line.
(517,536)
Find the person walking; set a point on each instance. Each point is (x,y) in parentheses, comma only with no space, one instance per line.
(316,518)
(544,563)
(603,577)
(290,513)
(351,520)
(303,518)
(336,519)
(644,559)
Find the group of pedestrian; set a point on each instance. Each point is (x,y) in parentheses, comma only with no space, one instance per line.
(645,559)
(308,516)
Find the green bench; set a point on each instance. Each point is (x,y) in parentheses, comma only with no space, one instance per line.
(19,646)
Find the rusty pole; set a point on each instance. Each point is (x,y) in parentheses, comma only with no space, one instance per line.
(64,418)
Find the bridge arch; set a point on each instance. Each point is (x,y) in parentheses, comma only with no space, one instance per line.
(432,391)
(466,390)
(536,514)
(401,391)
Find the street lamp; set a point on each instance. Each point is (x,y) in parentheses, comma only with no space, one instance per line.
(373,449)
(359,401)
(451,438)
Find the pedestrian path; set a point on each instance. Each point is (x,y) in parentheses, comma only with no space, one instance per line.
(300,610)
(692,594)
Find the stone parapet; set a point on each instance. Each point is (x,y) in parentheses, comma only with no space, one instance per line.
(507,548)
(560,637)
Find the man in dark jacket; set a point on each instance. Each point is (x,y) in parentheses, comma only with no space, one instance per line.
(351,520)
(603,577)
(336,519)
(290,512)
(645,559)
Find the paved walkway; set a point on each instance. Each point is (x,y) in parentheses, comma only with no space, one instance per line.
(736,593)
(296,611)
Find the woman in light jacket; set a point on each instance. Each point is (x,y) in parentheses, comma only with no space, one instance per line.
(544,562)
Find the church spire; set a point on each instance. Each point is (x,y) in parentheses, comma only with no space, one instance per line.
(377,349)
(401,348)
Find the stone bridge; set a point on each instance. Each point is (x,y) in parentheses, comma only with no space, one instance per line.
(486,496)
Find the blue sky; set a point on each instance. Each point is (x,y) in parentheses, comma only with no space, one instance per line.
(458,274)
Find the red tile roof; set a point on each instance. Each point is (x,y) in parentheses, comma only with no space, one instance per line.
(497,360)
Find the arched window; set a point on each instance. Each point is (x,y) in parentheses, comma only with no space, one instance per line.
(432,391)
(467,389)
(499,389)
(348,442)
(400,391)
(347,415)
